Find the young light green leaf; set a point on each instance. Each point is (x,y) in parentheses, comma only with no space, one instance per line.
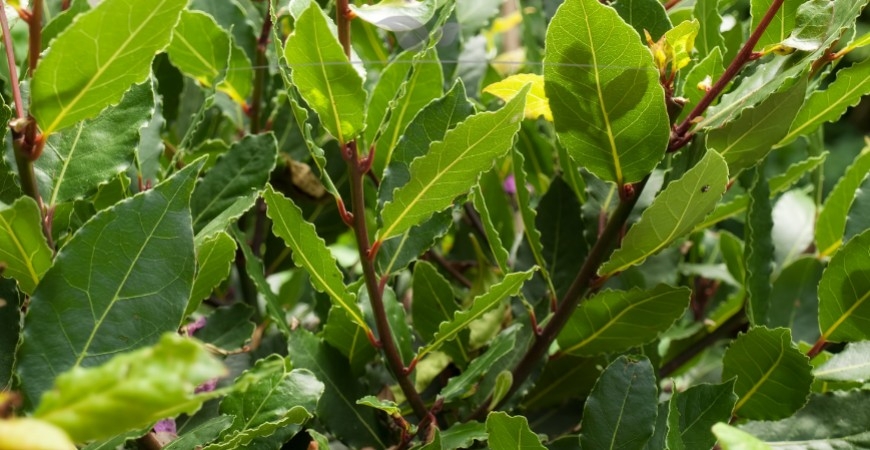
(844,311)
(710,37)
(451,167)
(131,390)
(851,364)
(310,252)
(700,408)
(265,398)
(243,170)
(459,386)
(33,434)
(109,51)
(24,253)
(778,184)
(773,377)
(610,115)
(69,168)
(397,15)
(621,410)
(675,211)
(828,105)
(731,438)
(201,49)
(615,321)
(781,25)
(324,76)
(214,257)
(831,223)
(101,291)
(386,406)
(511,432)
(749,138)
(758,251)
(509,286)
(537,104)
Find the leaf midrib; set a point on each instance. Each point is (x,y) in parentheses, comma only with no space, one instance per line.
(28,262)
(746,397)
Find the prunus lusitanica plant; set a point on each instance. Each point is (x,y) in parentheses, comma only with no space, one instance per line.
(435,224)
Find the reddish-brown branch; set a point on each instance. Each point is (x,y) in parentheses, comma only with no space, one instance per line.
(671,3)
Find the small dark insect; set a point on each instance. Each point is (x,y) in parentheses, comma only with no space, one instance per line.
(705,188)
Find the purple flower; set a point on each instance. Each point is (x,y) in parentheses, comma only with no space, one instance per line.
(208,386)
(510,185)
(165,426)
(195,325)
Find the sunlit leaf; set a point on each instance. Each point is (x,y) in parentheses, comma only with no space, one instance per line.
(24,253)
(537,104)
(511,432)
(397,15)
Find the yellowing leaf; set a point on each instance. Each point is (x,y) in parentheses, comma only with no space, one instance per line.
(537,103)
(675,46)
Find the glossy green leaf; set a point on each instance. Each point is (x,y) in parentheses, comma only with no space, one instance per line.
(511,432)
(459,386)
(265,398)
(70,167)
(564,378)
(102,287)
(607,104)
(773,377)
(397,15)
(231,15)
(324,76)
(811,25)
(24,253)
(130,390)
(109,52)
(228,327)
(710,37)
(62,21)
(451,167)
(447,331)
(310,252)
(701,76)
(615,321)
(844,312)
(848,431)
(758,251)
(493,205)
(386,406)
(342,333)
(731,438)
(749,138)
(778,184)
(243,170)
(204,51)
(700,408)
(559,222)
(831,223)
(204,433)
(226,217)
(794,301)
(434,303)
(673,213)
(337,409)
(621,410)
(214,257)
(858,219)
(851,364)
(781,25)
(649,15)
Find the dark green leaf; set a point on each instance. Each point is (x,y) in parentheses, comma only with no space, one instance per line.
(24,253)
(794,301)
(350,339)
(622,407)
(228,327)
(700,408)
(564,378)
(758,252)
(458,387)
(781,25)
(773,377)
(644,15)
(831,223)
(858,219)
(615,321)
(434,304)
(101,290)
(257,274)
(710,37)
(844,313)
(202,434)
(10,328)
(560,224)
(607,104)
(497,215)
(507,432)
(214,258)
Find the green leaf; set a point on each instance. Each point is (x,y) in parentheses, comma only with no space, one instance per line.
(214,258)
(831,223)
(758,251)
(325,77)
(773,377)
(256,273)
(794,300)
(811,25)
(674,440)
(71,167)
(563,378)
(710,37)
(778,184)
(674,212)
(231,15)
(702,75)
(342,333)
(611,120)
(851,364)
(511,432)
(226,217)
(98,298)
(389,407)
(24,253)
(460,386)
(130,390)
(451,167)
(858,219)
(731,438)
(844,312)
(700,408)
(621,410)
(509,286)
(109,49)
(749,138)
(243,170)
(11,299)
(355,424)
(537,104)
(310,252)
(265,398)
(848,431)
(395,312)
(433,305)
(397,15)
(615,321)
(781,25)
(228,327)
(61,21)
(201,434)
(649,15)
(497,216)
(559,220)
(201,49)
